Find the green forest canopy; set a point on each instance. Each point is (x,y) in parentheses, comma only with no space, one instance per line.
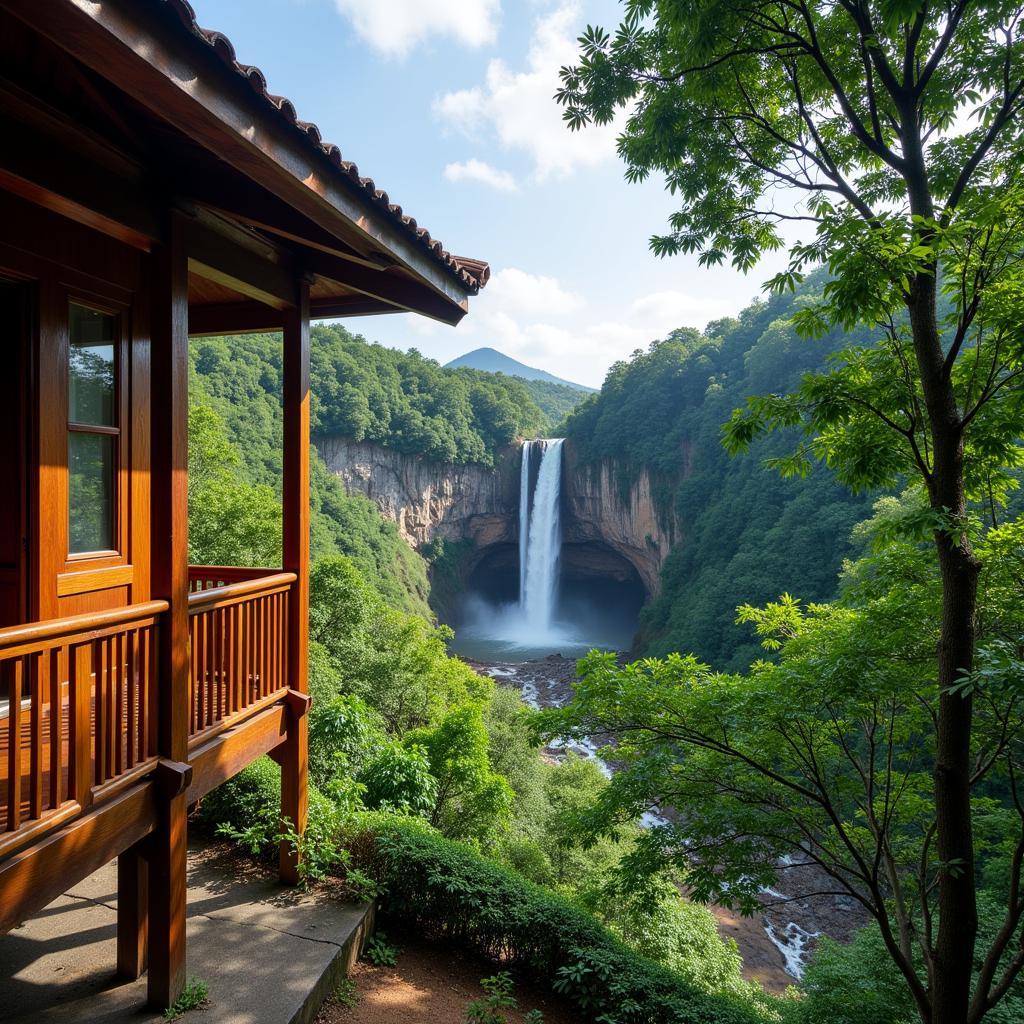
(746,534)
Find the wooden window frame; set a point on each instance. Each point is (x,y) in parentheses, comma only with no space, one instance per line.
(90,569)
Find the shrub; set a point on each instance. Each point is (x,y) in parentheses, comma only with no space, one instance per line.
(399,779)
(445,889)
(380,952)
(247,809)
(499,997)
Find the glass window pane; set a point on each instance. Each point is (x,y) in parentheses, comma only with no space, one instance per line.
(90,492)
(91,366)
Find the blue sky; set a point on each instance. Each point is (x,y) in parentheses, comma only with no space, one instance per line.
(447,106)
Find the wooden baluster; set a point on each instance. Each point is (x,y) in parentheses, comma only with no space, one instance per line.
(14,746)
(272,631)
(35,770)
(112,737)
(237,653)
(198,625)
(193,670)
(211,665)
(227,683)
(260,610)
(54,660)
(152,716)
(80,722)
(247,630)
(99,717)
(131,669)
(285,638)
(121,645)
(215,705)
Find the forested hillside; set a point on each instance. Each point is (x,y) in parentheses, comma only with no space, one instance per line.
(746,534)
(235,425)
(554,400)
(426,779)
(413,405)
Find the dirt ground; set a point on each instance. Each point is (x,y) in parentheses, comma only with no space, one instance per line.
(432,985)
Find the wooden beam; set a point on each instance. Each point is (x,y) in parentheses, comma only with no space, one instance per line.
(257,318)
(295,491)
(62,166)
(143,51)
(38,874)
(327,309)
(169,544)
(216,257)
(233,318)
(231,751)
(390,286)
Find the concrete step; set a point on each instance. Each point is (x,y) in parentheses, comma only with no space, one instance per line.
(269,954)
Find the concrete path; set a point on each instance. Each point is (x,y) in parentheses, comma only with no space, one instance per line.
(269,954)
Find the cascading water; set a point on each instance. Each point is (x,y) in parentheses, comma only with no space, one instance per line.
(524,517)
(543,617)
(540,535)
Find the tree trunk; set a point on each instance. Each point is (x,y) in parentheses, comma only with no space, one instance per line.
(957,906)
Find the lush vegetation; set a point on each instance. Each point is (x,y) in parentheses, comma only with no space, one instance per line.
(746,534)
(895,128)
(235,452)
(554,400)
(417,763)
(412,404)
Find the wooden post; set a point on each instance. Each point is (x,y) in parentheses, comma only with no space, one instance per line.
(132,911)
(295,488)
(169,543)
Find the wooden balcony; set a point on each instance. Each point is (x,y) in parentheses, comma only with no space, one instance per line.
(81,719)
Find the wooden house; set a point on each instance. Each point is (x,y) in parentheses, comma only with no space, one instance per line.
(152,187)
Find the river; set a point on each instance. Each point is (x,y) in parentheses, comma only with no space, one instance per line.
(775,943)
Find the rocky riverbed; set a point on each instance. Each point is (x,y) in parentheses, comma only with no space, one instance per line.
(775,943)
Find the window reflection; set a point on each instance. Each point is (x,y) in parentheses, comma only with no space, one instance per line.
(93,433)
(91,367)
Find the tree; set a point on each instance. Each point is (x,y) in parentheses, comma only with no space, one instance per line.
(897,125)
(823,756)
(471,801)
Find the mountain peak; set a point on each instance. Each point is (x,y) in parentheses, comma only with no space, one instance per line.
(493,361)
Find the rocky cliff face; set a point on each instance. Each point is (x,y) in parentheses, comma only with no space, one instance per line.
(430,499)
(597,514)
(606,533)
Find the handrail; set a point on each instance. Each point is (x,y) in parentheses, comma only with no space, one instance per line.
(210,571)
(216,597)
(79,625)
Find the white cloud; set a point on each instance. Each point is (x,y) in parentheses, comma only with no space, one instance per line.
(394,27)
(477,170)
(517,106)
(520,294)
(670,309)
(463,109)
(519,314)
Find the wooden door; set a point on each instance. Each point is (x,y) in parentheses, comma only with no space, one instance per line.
(14,358)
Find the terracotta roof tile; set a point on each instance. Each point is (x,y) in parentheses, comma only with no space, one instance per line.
(472,274)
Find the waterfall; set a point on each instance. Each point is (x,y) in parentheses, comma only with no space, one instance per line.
(542,538)
(524,518)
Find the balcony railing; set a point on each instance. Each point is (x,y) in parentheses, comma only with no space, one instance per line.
(238,640)
(80,718)
(79,696)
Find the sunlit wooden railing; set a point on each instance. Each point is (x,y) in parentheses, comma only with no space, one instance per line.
(207,577)
(238,645)
(79,714)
